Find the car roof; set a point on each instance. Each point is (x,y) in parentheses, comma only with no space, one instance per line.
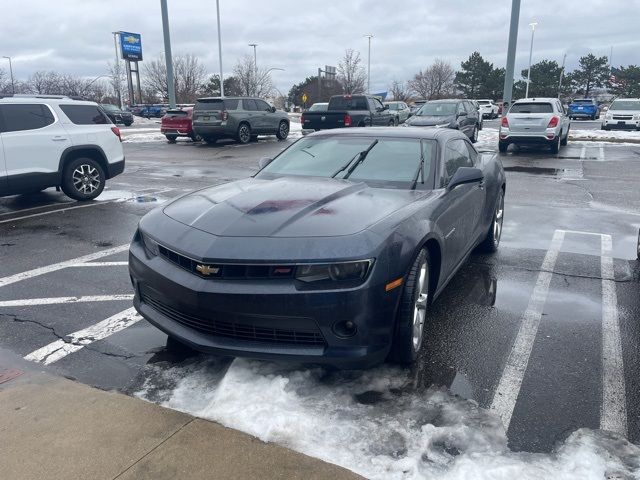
(446,100)
(422,133)
(536,100)
(51,99)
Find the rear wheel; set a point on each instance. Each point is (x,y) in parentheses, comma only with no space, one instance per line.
(412,312)
(492,240)
(555,146)
(195,137)
(474,135)
(283,130)
(83,179)
(565,140)
(244,133)
(502,147)
(171,138)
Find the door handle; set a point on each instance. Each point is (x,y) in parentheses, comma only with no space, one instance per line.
(59,139)
(481,184)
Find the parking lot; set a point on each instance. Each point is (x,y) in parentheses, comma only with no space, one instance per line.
(542,336)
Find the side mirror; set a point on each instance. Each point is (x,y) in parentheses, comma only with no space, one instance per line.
(263,162)
(385,107)
(461,114)
(272,109)
(465,175)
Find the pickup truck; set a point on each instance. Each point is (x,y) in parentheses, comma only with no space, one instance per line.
(349,111)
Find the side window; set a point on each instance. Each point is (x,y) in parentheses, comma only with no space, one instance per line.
(372,104)
(377,103)
(85,114)
(456,155)
(460,107)
(231,103)
(263,106)
(19,117)
(250,104)
(473,154)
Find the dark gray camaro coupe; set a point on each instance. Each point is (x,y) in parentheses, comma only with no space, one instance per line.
(331,253)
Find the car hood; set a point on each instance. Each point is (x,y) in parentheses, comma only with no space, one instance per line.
(429,121)
(288,207)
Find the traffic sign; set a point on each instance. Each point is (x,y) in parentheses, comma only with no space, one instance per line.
(304,98)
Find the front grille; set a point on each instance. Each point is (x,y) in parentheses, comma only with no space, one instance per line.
(622,117)
(226,271)
(242,327)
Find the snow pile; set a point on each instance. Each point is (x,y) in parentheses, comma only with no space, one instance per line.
(606,135)
(375,423)
(151,136)
(487,139)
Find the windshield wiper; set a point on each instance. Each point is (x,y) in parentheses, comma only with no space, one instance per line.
(360,157)
(420,171)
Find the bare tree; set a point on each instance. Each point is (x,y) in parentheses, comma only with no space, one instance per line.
(351,74)
(436,81)
(45,83)
(189,75)
(399,91)
(253,82)
(5,82)
(117,81)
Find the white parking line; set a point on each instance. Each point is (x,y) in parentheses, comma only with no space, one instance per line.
(59,266)
(48,212)
(59,349)
(506,394)
(601,153)
(99,264)
(27,302)
(613,416)
(36,208)
(583,152)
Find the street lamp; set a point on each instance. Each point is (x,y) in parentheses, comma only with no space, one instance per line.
(255,55)
(369,36)
(220,49)
(533,31)
(13,87)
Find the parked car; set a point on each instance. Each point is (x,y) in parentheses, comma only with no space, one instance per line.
(153,111)
(488,108)
(416,105)
(480,119)
(453,113)
(535,121)
(117,115)
(241,118)
(178,123)
(400,110)
(318,107)
(584,108)
(622,113)
(349,111)
(257,267)
(54,141)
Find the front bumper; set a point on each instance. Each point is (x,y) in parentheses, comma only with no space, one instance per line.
(235,317)
(622,124)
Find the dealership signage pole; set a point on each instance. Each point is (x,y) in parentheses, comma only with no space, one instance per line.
(167,54)
(220,49)
(511,55)
(131,52)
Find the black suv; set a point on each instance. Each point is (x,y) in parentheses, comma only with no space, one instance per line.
(453,113)
(117,115)
(238,117)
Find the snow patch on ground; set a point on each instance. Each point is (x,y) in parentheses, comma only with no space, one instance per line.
(604,135)
(153,136)
(375,422)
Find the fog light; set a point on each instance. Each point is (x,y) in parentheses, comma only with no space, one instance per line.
(344,328)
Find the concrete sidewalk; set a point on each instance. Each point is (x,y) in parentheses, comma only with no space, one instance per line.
(51,427)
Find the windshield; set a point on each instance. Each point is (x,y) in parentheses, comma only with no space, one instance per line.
(590,102)
(531,108)
(318,107)
(438,109)
(484,102)
(625,105)
(110,107)
(394,160)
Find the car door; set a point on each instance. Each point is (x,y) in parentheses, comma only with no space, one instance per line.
(563,117)
(461,205)
(379,115)
(33,140)
(253,115)
(461,118)
(270,119)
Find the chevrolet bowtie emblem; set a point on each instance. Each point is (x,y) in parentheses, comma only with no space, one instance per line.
(207,270)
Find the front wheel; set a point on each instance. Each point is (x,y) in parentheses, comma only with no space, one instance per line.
(244,133)
(171,138)
(83,179)
(283,131)
(412,313)
(492,240)
(474,135)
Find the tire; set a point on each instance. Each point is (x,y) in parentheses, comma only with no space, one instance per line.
(565,140)
(408,335)
(175,346)
(396,122)
(492,240)
(244,133)
(474,134)
(604,127)
(83,179)
(195,137)
(171,138)
(210,140)
(127,124)
(555,146)
(502,146)
(283,130)
(392,123)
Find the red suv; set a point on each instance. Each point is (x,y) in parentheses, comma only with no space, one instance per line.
(178,123)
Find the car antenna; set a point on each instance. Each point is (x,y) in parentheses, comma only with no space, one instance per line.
(420,171)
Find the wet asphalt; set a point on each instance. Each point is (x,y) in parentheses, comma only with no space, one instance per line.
(583,190)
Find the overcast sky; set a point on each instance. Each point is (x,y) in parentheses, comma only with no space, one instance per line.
(74,36)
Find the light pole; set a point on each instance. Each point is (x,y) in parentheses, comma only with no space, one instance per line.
(13,87)
(511,56)
(255,64)
(369,36)
(561,75)
(533,31)
(220,48)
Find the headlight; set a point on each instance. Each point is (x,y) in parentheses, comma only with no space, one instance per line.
(636,116)
(150,245)
(336,272)
(608,116)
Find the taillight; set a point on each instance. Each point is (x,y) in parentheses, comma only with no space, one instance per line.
(504,122)
(347,120)
(302,119)
(116,132)
(553,122)
(224,115)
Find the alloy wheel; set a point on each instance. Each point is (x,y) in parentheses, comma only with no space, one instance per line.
(420,306)
(86,179)
(498,219)
(284,130)
(244,134)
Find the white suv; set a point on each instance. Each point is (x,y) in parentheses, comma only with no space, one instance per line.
(487,109)
(622,113)
(54,141)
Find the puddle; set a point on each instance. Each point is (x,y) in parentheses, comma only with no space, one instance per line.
(145,199)
(374,422)
(551,172)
